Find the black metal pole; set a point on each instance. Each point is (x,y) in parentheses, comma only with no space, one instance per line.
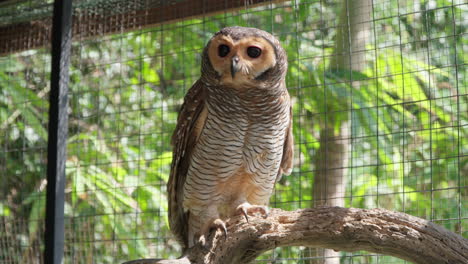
(58,126)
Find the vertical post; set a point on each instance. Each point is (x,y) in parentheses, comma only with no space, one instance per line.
(58,127)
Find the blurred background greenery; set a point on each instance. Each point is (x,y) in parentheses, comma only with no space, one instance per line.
(380,120)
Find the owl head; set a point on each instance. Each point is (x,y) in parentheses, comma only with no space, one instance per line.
(241,57)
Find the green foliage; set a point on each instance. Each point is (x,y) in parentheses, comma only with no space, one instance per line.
(408,119)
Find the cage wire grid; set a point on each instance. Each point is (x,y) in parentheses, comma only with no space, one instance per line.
(397,118)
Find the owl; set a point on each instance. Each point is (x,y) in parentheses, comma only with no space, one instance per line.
(233,138)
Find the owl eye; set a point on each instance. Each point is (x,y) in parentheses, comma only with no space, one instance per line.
(223,50)
(254,52)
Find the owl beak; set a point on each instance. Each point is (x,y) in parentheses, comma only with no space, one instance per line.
(234,65)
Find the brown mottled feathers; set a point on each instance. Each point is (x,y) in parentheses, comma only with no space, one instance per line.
(189,123)
(233,138)
(288,151)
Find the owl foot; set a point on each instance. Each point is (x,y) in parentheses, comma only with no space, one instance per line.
(247,208)
(215,224)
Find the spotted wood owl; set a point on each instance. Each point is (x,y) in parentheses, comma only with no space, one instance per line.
(233,139)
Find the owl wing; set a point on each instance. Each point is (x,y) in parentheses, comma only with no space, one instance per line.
(190,123)
(288,149)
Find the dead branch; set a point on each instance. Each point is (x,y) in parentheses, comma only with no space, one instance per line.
(342,229)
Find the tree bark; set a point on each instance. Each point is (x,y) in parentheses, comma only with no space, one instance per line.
(331,164)
(345,229)
(332,156)
(352,36)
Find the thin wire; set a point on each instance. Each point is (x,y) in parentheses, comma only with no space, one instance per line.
(298,81)
(140,143)
(403,88)
(459,136)
(377,87)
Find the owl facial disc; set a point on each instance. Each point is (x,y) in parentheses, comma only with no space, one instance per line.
(239,62)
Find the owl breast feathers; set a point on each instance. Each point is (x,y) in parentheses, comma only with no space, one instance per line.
(233,139)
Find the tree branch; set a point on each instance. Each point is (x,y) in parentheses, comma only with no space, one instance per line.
(345,229)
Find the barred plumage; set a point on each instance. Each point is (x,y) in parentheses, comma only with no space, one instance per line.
(233,138)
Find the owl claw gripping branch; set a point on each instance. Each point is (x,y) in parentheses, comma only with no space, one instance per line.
(233,139)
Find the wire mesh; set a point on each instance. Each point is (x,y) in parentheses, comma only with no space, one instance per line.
(24,89)
(380,118)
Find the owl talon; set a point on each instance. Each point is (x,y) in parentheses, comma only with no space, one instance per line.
(247,209)
(215,224)
(225,233)
(244,212)
(201,239)
(266,212)
(219,224)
